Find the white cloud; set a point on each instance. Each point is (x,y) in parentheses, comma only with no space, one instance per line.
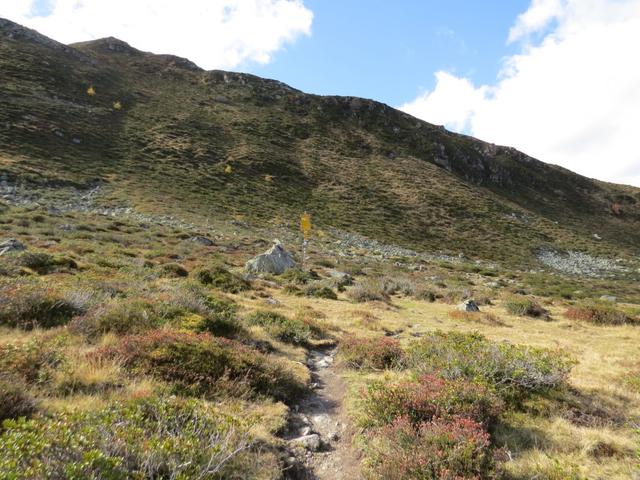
(573,98)
(212,33)
(452,103)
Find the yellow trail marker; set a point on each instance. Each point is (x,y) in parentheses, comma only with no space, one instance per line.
(305,225)
(91,91)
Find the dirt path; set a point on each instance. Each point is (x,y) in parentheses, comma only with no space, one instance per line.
(319,431)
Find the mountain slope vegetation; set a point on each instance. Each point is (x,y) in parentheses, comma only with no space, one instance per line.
(162,135)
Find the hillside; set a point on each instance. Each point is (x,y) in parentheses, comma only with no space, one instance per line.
(460,311)
(355,164)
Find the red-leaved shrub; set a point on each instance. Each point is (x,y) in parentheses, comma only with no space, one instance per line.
(428,398)
(454,449)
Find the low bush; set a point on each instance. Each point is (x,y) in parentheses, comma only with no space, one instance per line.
(299,277)
(15,400)
(371,353)
(427,398)
(523,306)
(457,449)
(318,290)
(34,360)
(368,290)
(425,294)
(221,278)
(599,313)
(173,270)
(31,305)
(43,263)
(201,364)
(514,371)
(398,285)
(151,438)
(297,330)
(119,316)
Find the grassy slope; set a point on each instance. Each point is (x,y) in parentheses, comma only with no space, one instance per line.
(353,163)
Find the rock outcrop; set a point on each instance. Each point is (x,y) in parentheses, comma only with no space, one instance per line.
(276,260)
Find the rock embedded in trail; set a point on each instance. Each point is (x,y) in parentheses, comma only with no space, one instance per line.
(276,260)
(11,245)
(469,306)
(310,442)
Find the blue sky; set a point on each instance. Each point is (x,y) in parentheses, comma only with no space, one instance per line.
(556,79)
(389,50)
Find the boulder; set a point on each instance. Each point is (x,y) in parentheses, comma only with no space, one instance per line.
(469,306)
(609,298)
(207,242)
(11,245)
(276,260)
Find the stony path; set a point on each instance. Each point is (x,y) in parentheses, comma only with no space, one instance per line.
(319,431)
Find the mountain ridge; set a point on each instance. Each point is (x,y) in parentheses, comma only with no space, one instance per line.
(354,163)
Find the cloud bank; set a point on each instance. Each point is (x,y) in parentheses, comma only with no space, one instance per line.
(571,96)
(214,34)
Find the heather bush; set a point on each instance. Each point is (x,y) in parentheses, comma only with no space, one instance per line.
(31,305)
(15,400)
(456,449)
(297,330)
(513,370)
(173,270)
(318,290)
(371,353)
(368,290)
(34,360)
(427,398)
(43,263)
(297,276)
(523,306)
(599,313)
(119,316)
(221,278)
(151,438)
(201,364)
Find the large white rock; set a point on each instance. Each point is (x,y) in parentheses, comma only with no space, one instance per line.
(276,260)
(469,306)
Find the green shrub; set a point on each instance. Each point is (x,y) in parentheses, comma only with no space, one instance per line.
(298,331)
(33,360)
(599,313)
(523,306)
(163,438)
(29,306)
(513,370)
(15,400)
(299,277)
(173,270)
(371,353)
(428,398)
(219,277)
(318,290)
(457,449)
(201,364)
(425,294)
(44,263)
(119,316)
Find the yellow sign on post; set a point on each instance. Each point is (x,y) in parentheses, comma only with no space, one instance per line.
(305,225)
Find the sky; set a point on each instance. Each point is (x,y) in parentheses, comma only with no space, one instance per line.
(557,79)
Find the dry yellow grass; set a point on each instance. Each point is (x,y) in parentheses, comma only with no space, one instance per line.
(605,449)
